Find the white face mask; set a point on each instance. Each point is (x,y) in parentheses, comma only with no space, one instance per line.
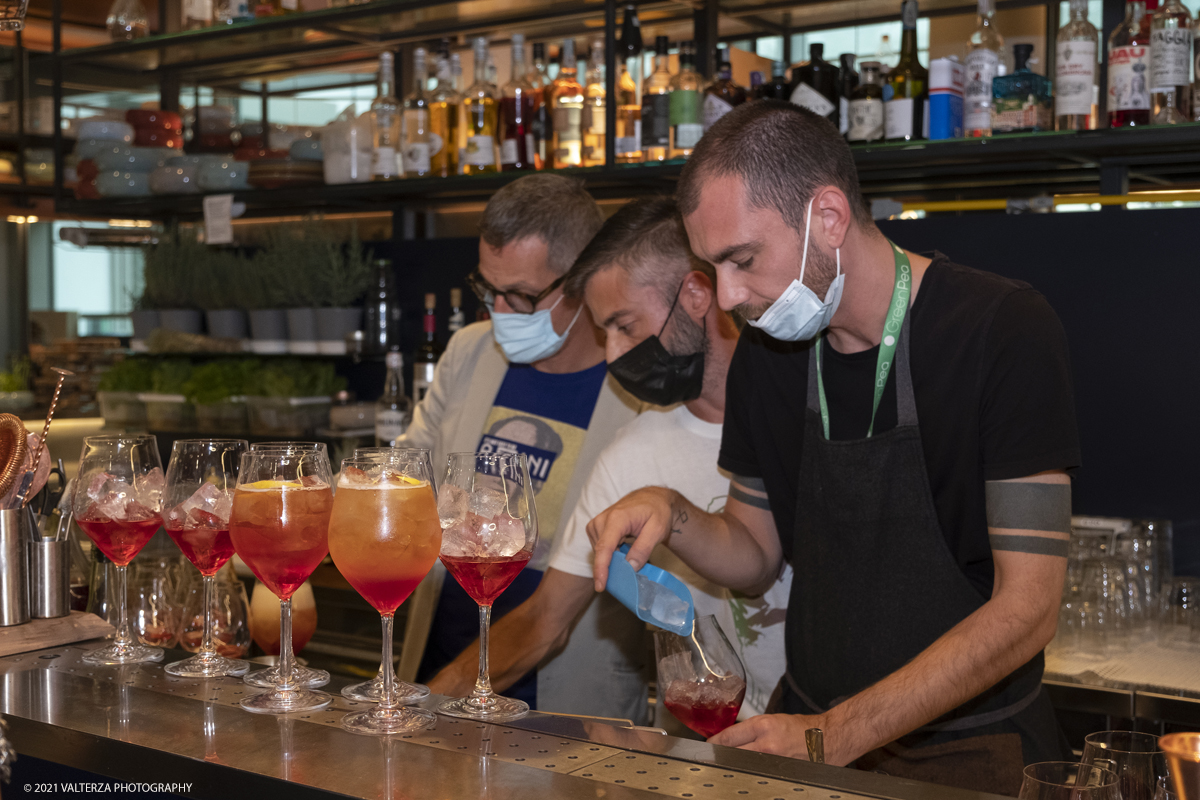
(799,314)
(526,338)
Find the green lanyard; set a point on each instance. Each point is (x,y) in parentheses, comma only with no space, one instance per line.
(887,346)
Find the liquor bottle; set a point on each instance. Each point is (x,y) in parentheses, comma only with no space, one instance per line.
(382,312)
(778,88)
(866,106)
(815,84)
(1170,64)
(566,111)
(1023,100)
(722,94)
(593,120)
(457,318)
(385,123)
(983,64)
(517,146)
(230,11)
(1076,93)
(628,144)
(847,83)
(904,112)
(686,128)
(479,106)
(393,409)
(756,82)
(539,79)
(197,14)
(444,110)
(428,353)
(418,148)
(656,107)
(1129,67)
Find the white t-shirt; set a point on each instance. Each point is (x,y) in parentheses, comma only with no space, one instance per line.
(676,449)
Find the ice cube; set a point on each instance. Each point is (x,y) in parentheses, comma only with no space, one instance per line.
(664,608)
(310,481)
(353,476)
(111,506)
(487,502)
(452,505)
(148,488)
(461,540)
(206,505)
(503,537)
(97,485)
(136,512)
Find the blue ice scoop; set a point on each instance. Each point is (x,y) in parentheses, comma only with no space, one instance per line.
(655,595)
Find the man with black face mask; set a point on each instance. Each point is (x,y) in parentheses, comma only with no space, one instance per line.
(669,344)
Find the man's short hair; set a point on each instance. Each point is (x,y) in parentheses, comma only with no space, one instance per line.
(646,238)
(553,208)
(782,152)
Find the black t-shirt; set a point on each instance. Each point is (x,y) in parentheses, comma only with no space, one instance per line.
(992,381)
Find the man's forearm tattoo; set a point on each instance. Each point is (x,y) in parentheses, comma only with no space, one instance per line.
(678,519)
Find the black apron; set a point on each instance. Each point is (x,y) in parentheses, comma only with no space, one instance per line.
(875,583)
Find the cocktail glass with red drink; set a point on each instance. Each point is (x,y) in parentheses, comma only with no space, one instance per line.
(270,677)
(201,479)
(384,537)
(700,677)
(370,691)
(118,503)
(489,531)
(280,527)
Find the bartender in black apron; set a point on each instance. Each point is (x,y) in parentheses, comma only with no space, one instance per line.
(916,654)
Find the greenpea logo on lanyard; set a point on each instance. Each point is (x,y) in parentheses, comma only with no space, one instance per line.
(887,345)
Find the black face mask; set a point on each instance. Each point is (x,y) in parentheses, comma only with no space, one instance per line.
(651,374)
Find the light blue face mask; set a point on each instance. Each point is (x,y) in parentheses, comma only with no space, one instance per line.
(799,314)
(526,338)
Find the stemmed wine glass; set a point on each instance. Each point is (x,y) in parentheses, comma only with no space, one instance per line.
(1134,757)
(280,528)
(118,504)
(201,479)
(384,537)
(701,678)
(489,530)
(271,677)
(1061,780)
(370,691)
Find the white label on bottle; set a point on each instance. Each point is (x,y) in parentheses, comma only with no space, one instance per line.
(843,116)
(530,147)
(628,145)
(866,120)
(416,157)
(386,162)
(687,134)
(714,109)
(480,151)
(808,97)
(436,143)
(1074,77)
(389,425)
(197,9)
(290,5)
(422,380)
(982,67)
(593,120)
(1170,58)
(567,123)
(1128,85)
(508,151)
(898,118)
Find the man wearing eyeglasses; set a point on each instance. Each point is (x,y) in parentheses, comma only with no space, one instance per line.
(531,380)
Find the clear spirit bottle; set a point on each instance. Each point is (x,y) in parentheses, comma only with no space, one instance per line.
(1076,93)
(480,110)
(983,65)
(385,123)
(1171,64)
(416,122)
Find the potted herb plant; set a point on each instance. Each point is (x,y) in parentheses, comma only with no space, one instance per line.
(218,391)
(256,292)
(290,262)
(172,270)
(167,408)
(344,275)
(15,396)
(119,392)
(290,397)
(222,313)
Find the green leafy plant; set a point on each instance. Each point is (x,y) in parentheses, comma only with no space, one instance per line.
(290,377)
(170,375)
(346,271)
(17,378)
(217,381)
(289,265)
(174,272)
(130,375)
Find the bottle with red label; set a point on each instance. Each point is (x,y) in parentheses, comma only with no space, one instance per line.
(429,352)
(1171,64)
(1129,67)
(1075,70)
(517,144)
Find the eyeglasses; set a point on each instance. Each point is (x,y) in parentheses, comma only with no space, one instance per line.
(519,302)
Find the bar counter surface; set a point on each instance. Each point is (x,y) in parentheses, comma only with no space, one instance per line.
(136,724)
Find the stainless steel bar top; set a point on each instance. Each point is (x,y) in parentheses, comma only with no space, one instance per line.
(136,724)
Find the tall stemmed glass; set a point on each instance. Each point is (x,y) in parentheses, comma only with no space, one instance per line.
(271,677)
(280,528)
(370,691)
(384,537)
(700,677)
(118,504)
(489,530)
(201,479)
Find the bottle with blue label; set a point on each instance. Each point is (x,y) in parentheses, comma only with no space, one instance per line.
(946,77)
(1024,100)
